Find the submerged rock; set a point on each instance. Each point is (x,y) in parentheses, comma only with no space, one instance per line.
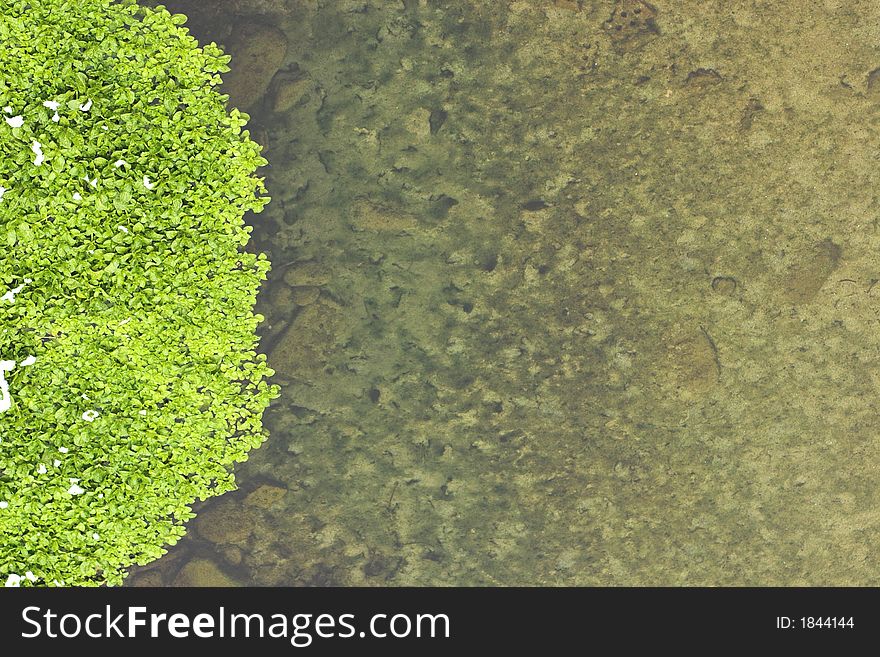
(305,295)
(265,496)
(288,90)
(307,343)
(808,274)
(224,522)
(203,572)
(257,51)
(148,579)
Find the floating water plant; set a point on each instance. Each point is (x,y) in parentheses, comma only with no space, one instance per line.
(129,378)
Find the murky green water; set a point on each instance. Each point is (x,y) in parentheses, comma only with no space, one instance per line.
(572,292)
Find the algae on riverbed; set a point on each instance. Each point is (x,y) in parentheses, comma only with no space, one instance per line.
(565,298)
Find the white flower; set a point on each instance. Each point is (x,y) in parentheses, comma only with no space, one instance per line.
(2,191)
(86,106)
(4,504)
(96,536)
(41,469)
(93,183)
(63,450)
(13,580)
(148,184)
(30,576)
(77,196)
(56,463)
(75,490)
(52,105)
(119,163)
(90,415)
(15,121)
(123,229)
(37,148)
(5,397)
(10,296)
(30,360)
(7,109)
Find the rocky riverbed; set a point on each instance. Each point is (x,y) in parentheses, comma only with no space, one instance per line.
(572,292)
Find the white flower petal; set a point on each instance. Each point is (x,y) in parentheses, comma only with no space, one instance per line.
(5,397)
(10,296)
(37,148)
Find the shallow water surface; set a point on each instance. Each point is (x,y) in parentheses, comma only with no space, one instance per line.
(573,292)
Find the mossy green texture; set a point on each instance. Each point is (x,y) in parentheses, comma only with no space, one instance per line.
(136,295)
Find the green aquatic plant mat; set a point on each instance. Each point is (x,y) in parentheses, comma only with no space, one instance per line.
(130,378)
